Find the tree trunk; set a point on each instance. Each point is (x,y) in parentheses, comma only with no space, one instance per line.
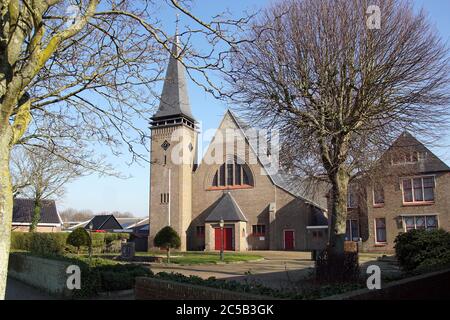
(168,254)
(338,211)
(6,207)
(36,215)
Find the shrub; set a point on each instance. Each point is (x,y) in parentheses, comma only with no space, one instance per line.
(98,240)
(21,240)
(100,275)
(167,238)
(48,244)
(113,241)
(78,238)
(423,249)
(337,268)
(110,237)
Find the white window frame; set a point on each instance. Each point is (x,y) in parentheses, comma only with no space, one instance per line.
(375,231)
(414,216)
(373,198)
(414,202)
(351,230)
(349,195)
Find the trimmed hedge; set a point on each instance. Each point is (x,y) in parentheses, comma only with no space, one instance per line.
(21,240)
(54,243)
(45,244)
(423,250)
(101,275)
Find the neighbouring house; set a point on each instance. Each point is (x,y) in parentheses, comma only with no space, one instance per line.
(23,212)
(128,223)
(139,234)
(410,191)
(107,223)
(261,209)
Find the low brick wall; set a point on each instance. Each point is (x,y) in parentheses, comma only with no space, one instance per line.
(430,286)
(45,274)
(157,289)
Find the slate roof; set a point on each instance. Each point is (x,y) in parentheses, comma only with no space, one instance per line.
(292,184)
(431,163)
(98,222)
(174,98)
(226,209)
(128,222)
(23,210)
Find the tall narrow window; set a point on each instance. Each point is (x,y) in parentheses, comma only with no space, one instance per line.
(164,198)
(378,195)
(215,179)
(238,180)
(428,189)
(380,234)
(352,230)
(230,176)
(351,199)
(245,179)
(407,191)
(222,175)
(418,192)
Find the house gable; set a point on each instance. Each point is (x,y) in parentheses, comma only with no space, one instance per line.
(409,155)
(23,211)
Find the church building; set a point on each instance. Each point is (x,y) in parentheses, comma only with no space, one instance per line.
(234,202)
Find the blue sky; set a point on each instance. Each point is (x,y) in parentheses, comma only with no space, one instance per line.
(110,194)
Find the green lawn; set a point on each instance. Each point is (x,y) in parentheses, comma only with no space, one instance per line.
(202,257)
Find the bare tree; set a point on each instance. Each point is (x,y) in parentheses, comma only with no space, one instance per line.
(75,73)
(340,90)
(39,175)
(70,214)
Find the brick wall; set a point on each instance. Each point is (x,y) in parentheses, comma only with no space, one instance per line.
(394,208)
(427,286)
(156,289)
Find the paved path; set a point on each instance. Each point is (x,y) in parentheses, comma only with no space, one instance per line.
(278,269)
(16,290)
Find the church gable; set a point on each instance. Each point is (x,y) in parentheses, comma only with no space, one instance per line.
(229,151)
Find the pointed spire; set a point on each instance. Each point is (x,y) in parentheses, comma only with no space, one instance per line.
(174,98)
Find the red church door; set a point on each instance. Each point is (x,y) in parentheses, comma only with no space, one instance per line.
(227,238)
(288,240)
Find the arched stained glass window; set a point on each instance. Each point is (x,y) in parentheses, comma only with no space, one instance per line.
(232,175)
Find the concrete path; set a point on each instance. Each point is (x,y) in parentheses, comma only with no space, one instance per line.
(278,269)
(16,290)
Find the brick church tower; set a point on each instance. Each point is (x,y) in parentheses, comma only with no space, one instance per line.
(173,154)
